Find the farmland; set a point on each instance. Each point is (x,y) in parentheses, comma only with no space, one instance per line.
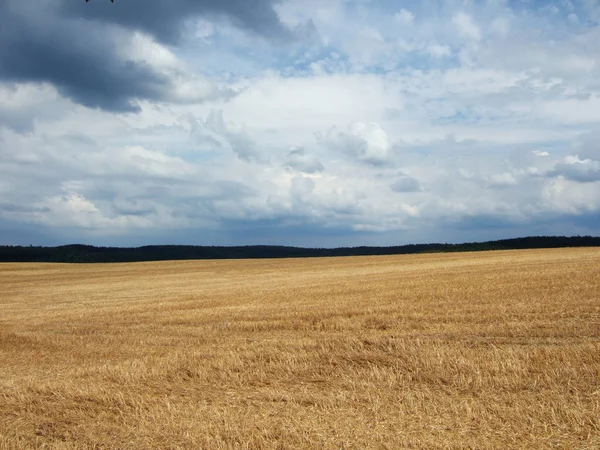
(467,350)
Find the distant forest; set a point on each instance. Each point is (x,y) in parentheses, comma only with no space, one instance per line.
(90,254)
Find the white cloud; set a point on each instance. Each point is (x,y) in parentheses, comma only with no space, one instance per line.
(570,197)
(501,26)
(438,50)
(141,47)
(297,159)
(217,132)
(367,143)
(503,179)
(301,187)
(135,159)
(467,26)
(404,17)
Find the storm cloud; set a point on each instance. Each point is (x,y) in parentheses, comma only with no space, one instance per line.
(165,19)
(77,47)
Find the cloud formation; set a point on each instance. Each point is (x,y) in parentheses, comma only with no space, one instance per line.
(166,20)
(297,159)
(323,122)
(367,143)
(96,56)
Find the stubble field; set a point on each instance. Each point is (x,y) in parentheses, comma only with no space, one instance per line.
(488,350)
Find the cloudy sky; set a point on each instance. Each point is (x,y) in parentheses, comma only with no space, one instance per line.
(299,122)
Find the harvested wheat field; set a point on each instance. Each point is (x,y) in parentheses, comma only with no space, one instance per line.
(474,350)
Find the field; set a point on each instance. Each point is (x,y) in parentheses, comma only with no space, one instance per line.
(488,350)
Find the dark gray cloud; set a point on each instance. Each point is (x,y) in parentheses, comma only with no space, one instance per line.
(74,45)
(133,207)
(10,207)
(405,183)
(164,19)
(298,159)
(588,145)
(80,61)
(23,233)
(586,171)
(285,231)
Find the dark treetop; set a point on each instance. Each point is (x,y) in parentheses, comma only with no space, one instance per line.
(89,254)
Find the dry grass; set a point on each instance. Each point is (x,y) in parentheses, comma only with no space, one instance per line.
(482,350)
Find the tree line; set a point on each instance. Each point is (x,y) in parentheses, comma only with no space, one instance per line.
(89,254)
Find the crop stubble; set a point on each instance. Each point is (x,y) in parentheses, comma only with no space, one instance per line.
(470,350)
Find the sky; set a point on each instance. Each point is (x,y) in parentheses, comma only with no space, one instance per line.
(316,123)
